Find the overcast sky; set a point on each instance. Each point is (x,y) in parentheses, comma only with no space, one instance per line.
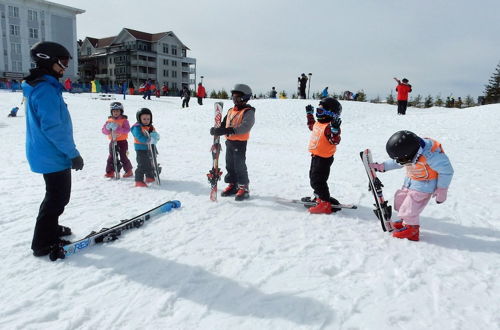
(442,47)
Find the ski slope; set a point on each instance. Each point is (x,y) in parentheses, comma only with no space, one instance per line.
(256,264)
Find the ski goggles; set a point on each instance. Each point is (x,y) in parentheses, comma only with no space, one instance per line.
(320,112)
(408,159)
(63,62)
(116,106)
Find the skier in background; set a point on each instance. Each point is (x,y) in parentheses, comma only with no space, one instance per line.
(403,88)
(325,136)
(302,86)
(324,93)
(273,93)
(50,147)
(13,112)
(118,123)
(186,96)
(201,93)
(428,174)
(236,126)
(144,167)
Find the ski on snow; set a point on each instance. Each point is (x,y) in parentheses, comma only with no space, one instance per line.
(310,203)
(112,233)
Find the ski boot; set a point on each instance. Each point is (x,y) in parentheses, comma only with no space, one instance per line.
(230,190)
(397,224)
(63,231)
(322,207)
(140,184)
(109,174)
(128,174)
(149,180)
(55,251)
(409,232)
(242,193)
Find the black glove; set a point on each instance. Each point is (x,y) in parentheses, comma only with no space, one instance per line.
(310,109)
(77,163)
(221,131)
(335,123)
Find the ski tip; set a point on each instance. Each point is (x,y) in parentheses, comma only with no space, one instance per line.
(167,207)
(176,204)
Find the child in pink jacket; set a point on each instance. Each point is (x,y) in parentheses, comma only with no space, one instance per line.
(428,174)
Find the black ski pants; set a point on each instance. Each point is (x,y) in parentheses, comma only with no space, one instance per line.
(402,105)
(318,176)
(144,166)
(57,195)
(236,162)
(185,102)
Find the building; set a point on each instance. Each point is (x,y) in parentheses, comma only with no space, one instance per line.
(26,22)
(135,56)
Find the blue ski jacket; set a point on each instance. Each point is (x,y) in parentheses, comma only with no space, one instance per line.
(49,131)
(437,161)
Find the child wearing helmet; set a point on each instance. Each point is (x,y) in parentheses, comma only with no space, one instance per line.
(144,167)
(325,136)
(117,127)
(428,174)
(236,126)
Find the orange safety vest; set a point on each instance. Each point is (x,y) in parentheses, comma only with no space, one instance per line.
(119,122)
(144,129)
(421,170)
(234,119)
(319,144)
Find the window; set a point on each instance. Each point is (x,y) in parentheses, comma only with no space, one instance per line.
(13,11)
(174,50)
(165,48)
(89,51)
(174,63)
(174,74)
(17,66)
(16,48)
(184,52)
(33,33)
(32,15)
(165,73)
(165,62)
(14,30)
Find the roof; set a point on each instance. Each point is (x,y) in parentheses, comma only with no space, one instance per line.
(100,43)
(73,9)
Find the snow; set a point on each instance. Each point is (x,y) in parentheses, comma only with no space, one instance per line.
(256,264)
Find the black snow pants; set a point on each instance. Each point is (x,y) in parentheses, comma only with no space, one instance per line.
(236,162)
(144,166)
(57,195)
(318,176)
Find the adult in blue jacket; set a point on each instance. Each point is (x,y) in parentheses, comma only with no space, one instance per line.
(50,147)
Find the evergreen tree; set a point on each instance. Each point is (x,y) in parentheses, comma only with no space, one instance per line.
(469,101)
(439,101)
(428,102)
(283,94)
(214,95)
(390,99)
(492,91)
(223,95)
(361,96)
(416,101)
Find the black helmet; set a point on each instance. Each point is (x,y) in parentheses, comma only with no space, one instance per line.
(142,112)
(116,106)
(402,146)
(331,104)
(405,80)
(243,89)
(46,53)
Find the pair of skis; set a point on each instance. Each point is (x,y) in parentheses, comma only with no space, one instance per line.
(112,233)
(152,152)
(215,173)
(115,153)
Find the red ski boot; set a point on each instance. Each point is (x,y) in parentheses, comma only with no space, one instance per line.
(140,184)
(231,189)
(128,174)
(397,224)
(109,174)
(242,193)
(409,232)
(322,207)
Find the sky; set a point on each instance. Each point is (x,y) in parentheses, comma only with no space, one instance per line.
(443,47)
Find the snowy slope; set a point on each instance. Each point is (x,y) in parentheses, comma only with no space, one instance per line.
(256,264)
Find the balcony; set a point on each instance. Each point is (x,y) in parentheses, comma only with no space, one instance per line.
(142,63)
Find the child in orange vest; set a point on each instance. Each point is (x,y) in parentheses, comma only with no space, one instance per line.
(117,124)
(428,174)
(325,136)
(144,167)
(236,125)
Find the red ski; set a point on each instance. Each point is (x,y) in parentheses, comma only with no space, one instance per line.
(215,173)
